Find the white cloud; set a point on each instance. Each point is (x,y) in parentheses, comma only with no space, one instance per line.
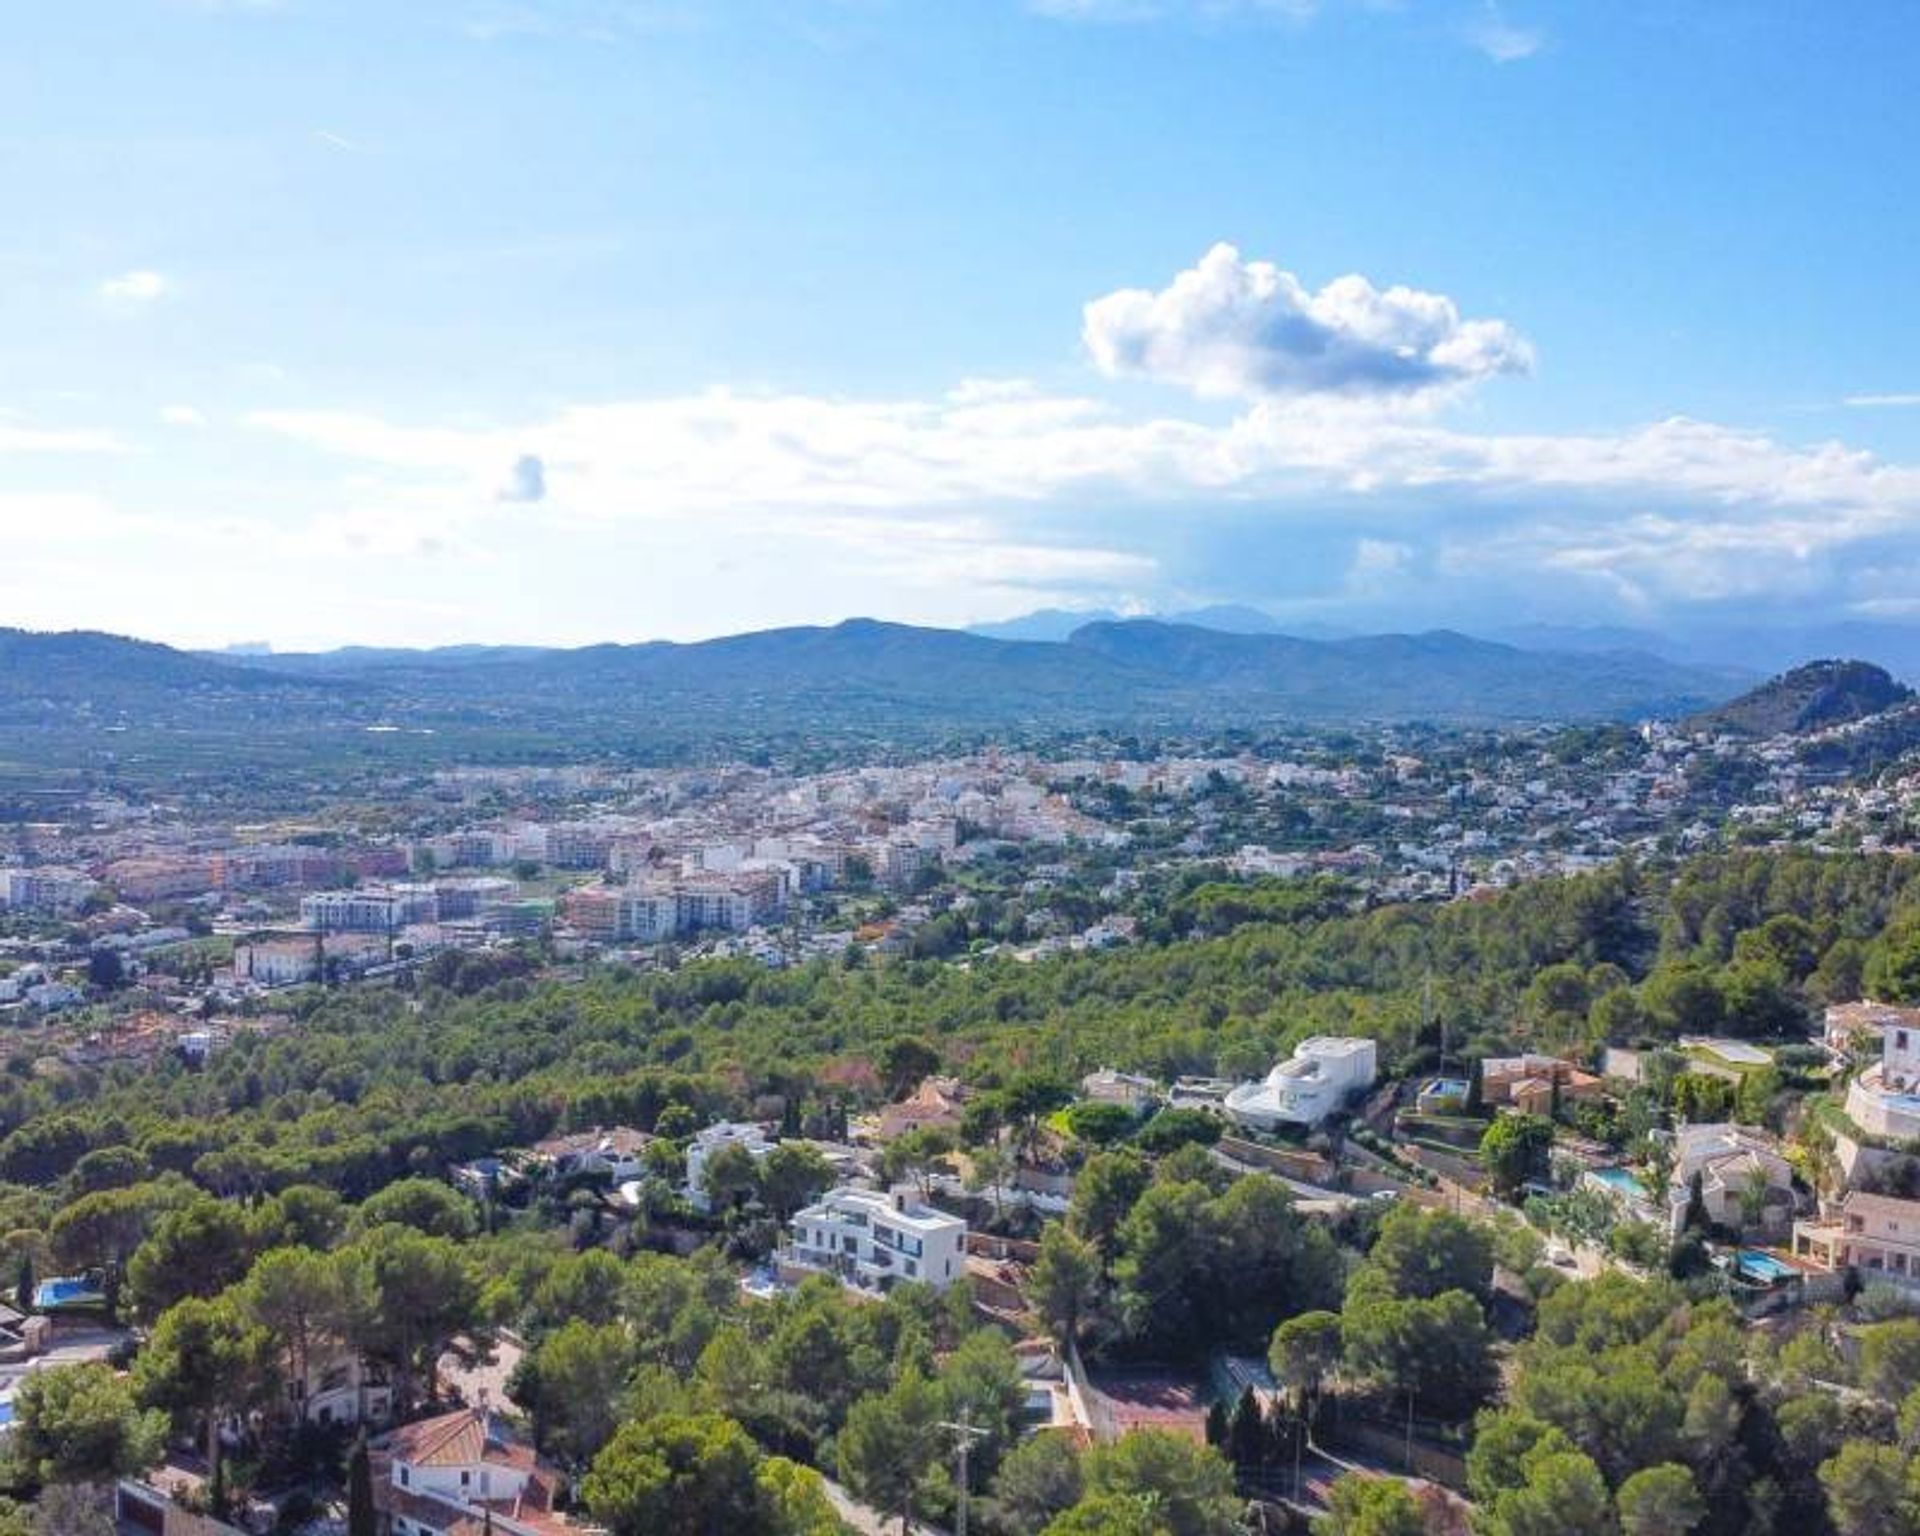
(1377,566)
(182,416)
(1676,510)
(1882,402)
(1502,40)
(998,484)
(1232,328)
(136,287)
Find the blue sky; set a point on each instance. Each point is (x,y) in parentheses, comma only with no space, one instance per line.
(564,320)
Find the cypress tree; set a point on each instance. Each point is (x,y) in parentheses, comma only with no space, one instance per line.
(1247,1436)
(1695,1219)
(360,1491)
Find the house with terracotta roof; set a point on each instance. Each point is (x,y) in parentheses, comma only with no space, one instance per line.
(461,1474)
(1851,1028)
(1736,1165)
(615,1154)
(1531,1083)
(938,1104)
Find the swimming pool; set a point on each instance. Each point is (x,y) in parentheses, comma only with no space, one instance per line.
(1619,1182)
(1763,1267)
(65,1291)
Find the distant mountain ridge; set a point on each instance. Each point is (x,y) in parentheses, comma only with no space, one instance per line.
(860,685)
(1813,697)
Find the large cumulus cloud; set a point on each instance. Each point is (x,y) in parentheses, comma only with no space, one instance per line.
(1233,328)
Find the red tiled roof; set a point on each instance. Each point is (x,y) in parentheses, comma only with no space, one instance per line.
(456,1439)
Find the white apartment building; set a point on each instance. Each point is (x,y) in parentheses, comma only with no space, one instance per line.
(874,1240)
(375,909)
(45,889)
(1321,1077)
(578,847)
(649,916)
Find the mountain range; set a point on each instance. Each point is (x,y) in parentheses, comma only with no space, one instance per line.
(1759,648)
(857,681)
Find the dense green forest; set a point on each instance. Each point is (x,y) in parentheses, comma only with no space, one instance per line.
(369,1085)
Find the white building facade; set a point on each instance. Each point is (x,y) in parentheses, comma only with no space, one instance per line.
(874,1239)
(1323,1075)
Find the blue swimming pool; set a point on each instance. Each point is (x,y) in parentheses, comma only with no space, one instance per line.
(1763,1267)
(1619,1182)
(65,1291)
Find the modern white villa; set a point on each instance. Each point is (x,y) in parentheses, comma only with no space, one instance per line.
(874,1239)
(1884,1100)
(751,1138)
(1322,1076)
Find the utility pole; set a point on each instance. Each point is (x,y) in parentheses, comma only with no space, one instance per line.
(964,1435)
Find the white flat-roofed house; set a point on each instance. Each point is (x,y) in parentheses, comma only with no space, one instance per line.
(725,1133)
(1320,1078)
(278,962)
(1884,1100)
(874,1240)
(1108,1086)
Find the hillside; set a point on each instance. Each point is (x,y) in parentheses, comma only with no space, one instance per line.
(1128,673)
(1809,698)
(859,680)
(57,674)
(1437,676)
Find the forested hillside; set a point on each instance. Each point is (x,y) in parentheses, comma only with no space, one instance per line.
(295,1188)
